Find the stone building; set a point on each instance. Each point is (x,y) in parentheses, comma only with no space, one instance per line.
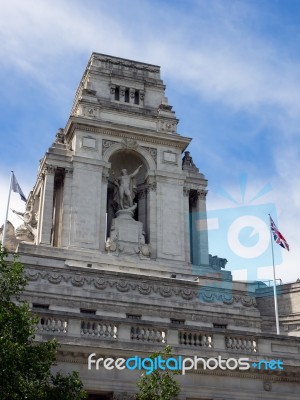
(116,251)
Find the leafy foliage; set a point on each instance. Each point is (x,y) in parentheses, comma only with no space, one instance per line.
(160,384)
(24,364)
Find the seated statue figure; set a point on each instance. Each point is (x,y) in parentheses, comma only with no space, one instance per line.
(26,231)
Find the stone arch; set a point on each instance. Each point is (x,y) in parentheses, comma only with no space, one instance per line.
(124,157)
(150,162)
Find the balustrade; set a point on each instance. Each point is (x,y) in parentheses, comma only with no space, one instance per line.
(52,325)
(146,334)
(99,329)
(241,343)
(190,338)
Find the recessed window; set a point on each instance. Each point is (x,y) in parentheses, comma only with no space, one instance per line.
(87,311)
(38,306)
(117,93)
(177,321)
(133,316)
(220,326)
(126,95)
(136,97)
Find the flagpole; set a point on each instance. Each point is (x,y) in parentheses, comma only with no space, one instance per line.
(8,201)
(274,284)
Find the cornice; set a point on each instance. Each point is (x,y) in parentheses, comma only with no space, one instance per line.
(153,137)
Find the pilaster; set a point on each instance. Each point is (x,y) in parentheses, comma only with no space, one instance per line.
(152,213)
(65,235)
(47,205)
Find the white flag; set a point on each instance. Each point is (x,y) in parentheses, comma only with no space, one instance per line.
(16,188)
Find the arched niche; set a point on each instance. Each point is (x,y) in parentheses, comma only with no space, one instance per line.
(128,159)
(141,152)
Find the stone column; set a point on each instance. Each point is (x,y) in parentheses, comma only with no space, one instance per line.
(65,234)
(131,95)
(203,235)
(186,210)
(47,206)
(142,211)
(103,208)
(198,227)
(152,216)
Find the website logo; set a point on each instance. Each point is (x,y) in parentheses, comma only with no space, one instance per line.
(180,363)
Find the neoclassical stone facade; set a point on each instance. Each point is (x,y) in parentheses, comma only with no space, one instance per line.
(117,259)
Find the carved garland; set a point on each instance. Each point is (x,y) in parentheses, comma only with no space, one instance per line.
(144,288)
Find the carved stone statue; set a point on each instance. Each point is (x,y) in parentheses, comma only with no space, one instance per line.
(27,231)
(188,163)
(126,188)
(216,262)
(60,137)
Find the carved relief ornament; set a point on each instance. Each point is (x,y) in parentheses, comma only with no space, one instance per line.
(144,288)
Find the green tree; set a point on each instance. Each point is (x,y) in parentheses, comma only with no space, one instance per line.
(25,365)
(160,384)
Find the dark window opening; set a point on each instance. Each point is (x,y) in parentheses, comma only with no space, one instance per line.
(117,93)
(177,321)
(37,306)
(107,396)
(220,326)
(126,95)
(87,311)
(133,316)
(136,97)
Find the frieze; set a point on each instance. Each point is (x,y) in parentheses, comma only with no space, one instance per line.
(55,278)
(165,291)
(100,283)
(130,144)
(212,296)
(187,294)
(77,281)
(144,288)
(124,286)
(179,144)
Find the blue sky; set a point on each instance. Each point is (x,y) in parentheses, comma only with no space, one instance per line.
(232,75)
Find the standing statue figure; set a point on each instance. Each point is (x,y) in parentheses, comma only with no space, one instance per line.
(125,184)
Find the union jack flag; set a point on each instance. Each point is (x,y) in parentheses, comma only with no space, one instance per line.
(278,236)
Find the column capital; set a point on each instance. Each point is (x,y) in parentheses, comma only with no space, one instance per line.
(49,169)
(151,184)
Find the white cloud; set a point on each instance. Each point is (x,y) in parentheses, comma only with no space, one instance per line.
(213,51)
(230,64)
